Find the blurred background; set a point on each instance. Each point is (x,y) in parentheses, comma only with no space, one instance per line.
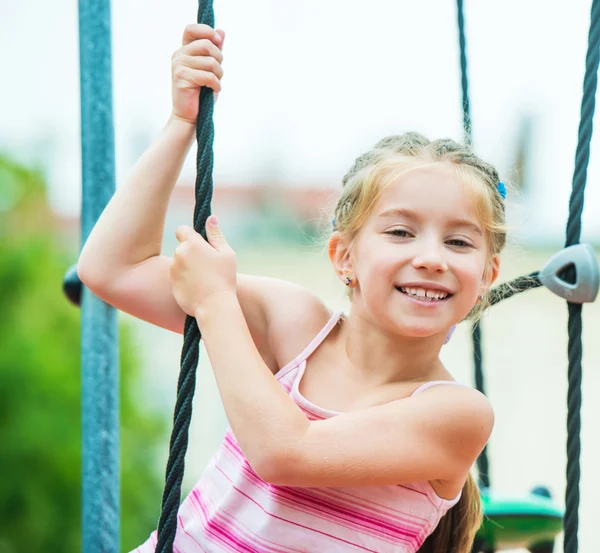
(308,86)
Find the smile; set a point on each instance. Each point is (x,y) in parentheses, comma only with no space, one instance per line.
(424,294)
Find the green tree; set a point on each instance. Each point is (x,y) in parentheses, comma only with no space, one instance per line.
(40,428)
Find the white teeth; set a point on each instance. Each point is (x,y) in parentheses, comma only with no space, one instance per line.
(425,294)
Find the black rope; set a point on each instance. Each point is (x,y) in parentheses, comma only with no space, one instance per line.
(571,522)
(167,525)
(464,80)
(483,465)
(582,156)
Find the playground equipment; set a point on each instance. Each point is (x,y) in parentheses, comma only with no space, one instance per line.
(530,521)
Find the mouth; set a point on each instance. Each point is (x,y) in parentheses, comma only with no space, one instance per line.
(426,295)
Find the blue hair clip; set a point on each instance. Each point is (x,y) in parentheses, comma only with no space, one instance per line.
(333,223)
(501,189)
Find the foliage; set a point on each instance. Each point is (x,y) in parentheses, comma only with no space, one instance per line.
(40,428)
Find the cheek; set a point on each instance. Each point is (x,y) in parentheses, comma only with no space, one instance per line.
(377,265)
(470,273)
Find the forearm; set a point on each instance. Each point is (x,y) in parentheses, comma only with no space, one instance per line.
(265,420)
(131,227)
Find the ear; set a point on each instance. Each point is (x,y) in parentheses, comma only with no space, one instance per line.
(339,255)
(491,273)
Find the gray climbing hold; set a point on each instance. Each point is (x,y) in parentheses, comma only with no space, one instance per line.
(580,259)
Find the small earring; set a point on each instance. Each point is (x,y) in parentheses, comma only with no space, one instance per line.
(480,297)
(348,281)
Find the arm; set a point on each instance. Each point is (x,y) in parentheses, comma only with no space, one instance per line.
(129,231)
(121,261)
(436,435)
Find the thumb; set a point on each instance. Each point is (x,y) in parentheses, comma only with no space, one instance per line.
(214,234)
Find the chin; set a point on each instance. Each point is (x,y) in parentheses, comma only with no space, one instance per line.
(421,329)
(419,332)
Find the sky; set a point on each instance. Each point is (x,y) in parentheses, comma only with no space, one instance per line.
(310,85)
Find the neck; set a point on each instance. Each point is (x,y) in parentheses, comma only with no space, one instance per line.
(387,357)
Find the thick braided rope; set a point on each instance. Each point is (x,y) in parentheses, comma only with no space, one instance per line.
(464,80)
(482,460)
(520,284)
(582,156)
(186,385)
(483,467)
(515,286)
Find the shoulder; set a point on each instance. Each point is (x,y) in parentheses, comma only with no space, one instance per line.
(293,314)
(459,417)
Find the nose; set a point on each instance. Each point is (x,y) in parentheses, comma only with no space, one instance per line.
(431,259)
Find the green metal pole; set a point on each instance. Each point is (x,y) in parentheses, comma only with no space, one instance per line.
(100,405)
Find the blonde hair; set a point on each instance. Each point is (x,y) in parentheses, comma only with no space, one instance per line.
(456,530)
(396,155)
(390,158)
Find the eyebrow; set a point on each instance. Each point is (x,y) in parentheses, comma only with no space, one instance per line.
(408,214)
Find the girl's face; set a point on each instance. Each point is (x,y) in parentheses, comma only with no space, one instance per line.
(420,261)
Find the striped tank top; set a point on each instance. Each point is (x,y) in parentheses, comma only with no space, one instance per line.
(231,509)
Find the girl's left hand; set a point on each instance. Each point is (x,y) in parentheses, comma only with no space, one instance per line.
(201,269)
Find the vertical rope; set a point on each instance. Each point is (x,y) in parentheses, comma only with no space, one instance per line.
(464,80)
(483,467)
(167,525)
(99,349)
(573,234)
(483,460)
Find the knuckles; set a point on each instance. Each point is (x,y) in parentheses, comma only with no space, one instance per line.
(197,30)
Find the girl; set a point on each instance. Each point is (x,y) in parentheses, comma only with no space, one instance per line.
(347,432)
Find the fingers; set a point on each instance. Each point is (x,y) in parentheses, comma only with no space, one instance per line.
(185,78)
(204,64)
(194,31)
(202,47)
(198,63)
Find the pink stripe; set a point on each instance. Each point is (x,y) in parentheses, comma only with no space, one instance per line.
(182,529)
(335,513)
(312,415)
(292,522)
(385,528)
(350,521)
(233,445)
(384,510)
(230,520)
(411,489)
(311,510)
(368,521)
(219,532)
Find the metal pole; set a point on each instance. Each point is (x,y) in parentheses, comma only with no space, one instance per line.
(100,405)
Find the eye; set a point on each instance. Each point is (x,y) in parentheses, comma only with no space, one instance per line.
(459,243)
(401,233)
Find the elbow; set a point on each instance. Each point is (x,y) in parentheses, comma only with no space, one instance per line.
(88,275)
(277,466)
(97,279)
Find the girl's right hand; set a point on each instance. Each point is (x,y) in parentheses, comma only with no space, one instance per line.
(197,63)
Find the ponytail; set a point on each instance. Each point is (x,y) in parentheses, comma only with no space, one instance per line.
(457,528)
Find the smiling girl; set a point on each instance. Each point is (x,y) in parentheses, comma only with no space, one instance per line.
(347,433)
